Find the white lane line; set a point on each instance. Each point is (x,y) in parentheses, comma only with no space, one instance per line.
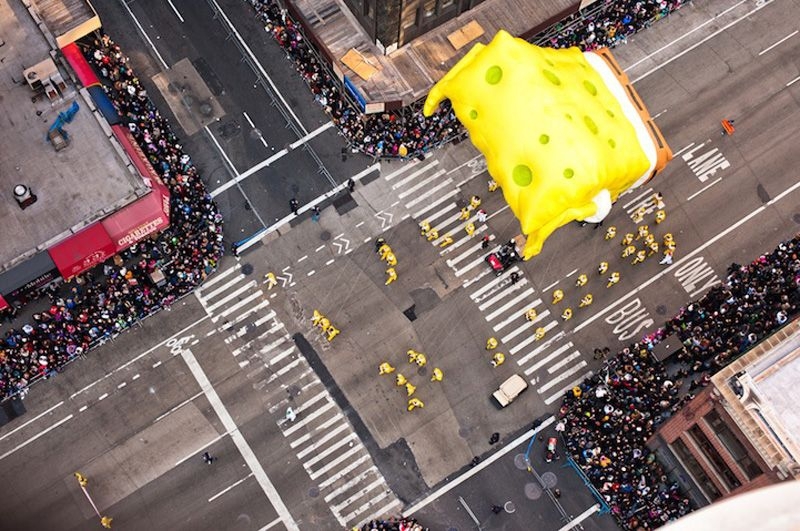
(465,254)
(230,296)
(103,396)
(563,376)
(249,120)
(40,434)
(302,258)
(283,370)
(329,450)
(282,355)
(516,300)
(467,239)
(217,277)
(792,82)
(389,508)
(82,409)
(190,399)
(37,417)
(229,487)
(434,204)
(413,175)
(537,350)
(475,296)
(472,265)
(336,462)
(547,359)
(239,440)
(354,514)
(175,9)
(759,5)
(409,191)
(516,315)
(346,486)
(343,472)
(227,285)
(123,384)
(246,328)
(239,318)
(242,316)
(524,438)
(420,198)
(359,224)
(311,272)
(331,421)
(403,168)
(225,156)
(675,155)
(312,134)
(329,262)
(632,201)
(247,345)
(503,293)
(563,363)
(765,50)
(318,443)
(145,35)
(560,394)
(703,189)
(271,524)
(529,324)
(305,419)
(135,377)
(678,263)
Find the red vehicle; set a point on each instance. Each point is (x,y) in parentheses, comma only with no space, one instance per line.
(503,257)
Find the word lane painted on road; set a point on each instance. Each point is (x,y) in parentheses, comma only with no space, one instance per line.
(630,320)
(696,276)
(707,163)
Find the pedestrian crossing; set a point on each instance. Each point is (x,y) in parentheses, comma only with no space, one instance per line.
(321,436)
(553,364)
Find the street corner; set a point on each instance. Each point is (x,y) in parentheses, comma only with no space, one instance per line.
(437,446)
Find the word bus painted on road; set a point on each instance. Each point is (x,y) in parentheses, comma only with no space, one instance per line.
(630,320)
(696,276)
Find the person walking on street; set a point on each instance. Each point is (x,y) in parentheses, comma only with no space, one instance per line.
(539,334)
(415,403)
(208,458)
(392,276)
(315,213)
(582,280)
(495,438)
(496,509)
(586,301)
(491,343)
(438,375)
(613,279)
(498,359)
(294,205)
(385,368)
(602,268)
(611,232)
(446,240)
(482,217)
(557,296)
(464,215)
(566,314)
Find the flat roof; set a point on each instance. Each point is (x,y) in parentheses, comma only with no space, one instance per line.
(61,16)
(84,182)
(408,73)
(776,382)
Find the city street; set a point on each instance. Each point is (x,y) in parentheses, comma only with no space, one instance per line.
(220,371)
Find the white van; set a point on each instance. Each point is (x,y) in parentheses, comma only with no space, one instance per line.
(510,389)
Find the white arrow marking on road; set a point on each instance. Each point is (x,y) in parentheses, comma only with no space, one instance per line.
(385,217)
(286,277)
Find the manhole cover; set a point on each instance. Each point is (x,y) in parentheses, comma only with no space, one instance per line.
(247,269)
(520,462)
(423,371)
(325,235)
(206,109)
(533,491)
(313,492)
(549,479)
(464,432)
(661,309)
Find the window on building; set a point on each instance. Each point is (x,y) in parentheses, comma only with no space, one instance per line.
(446,3)
(429,8)
(733,445)
(714,457)
(688,460)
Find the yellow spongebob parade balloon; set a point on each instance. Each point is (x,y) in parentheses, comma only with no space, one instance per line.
(563,131)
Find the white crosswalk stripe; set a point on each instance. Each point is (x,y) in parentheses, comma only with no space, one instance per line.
(321,436)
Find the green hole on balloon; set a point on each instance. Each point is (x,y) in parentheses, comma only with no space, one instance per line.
(544,139)
(610,113)
(590,88)
(494,75)
(473,114)
(551,77)
(568,116)
(522,175)
(612,143)
(569,173)
(549,62)
(590,124)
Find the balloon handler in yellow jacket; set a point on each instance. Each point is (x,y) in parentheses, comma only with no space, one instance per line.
(559,131)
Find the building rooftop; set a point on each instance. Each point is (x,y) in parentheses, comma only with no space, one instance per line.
(759,392)
(408,73)
(81,183)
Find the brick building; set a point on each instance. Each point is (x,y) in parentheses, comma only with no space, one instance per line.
(742,431)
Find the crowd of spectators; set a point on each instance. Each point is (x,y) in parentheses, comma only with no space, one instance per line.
(96,306)
(607,419)
(392,524)
(407,133)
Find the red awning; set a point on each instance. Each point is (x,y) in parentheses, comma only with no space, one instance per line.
(82,69)
(82,251)
(136,221)
(3,303)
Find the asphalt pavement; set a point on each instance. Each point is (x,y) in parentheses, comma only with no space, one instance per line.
(218,372)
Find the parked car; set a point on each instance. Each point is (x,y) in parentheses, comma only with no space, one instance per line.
(510,390)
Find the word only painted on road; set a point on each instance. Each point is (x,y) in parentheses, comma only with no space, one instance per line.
(175,345)
(705,164)
(696,276)
(630,320)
